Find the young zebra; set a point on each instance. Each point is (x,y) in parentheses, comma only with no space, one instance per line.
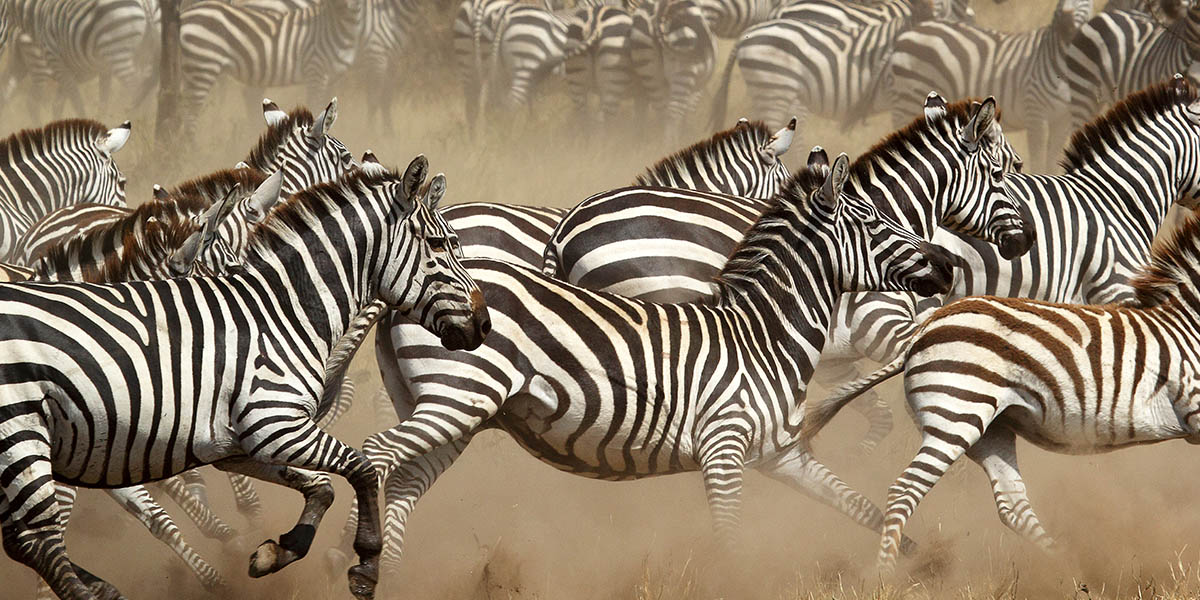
(1023,70)
(314,46)
(597,50)
(945,169)
(1067,378)
(1120,52)
(262,345)
(580,380)
(802,67)
(1124,172)
(63,163)
(74,41)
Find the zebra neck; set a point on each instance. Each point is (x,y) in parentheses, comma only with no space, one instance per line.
(919,210)
(1142,210)
(1187,31)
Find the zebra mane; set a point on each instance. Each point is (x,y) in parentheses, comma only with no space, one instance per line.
(263,155)
(1109,129)
(1173,262)
(51,135)
(299,211)
(752,135)
(196,195)
(146,235)
(957,115)
(746,260)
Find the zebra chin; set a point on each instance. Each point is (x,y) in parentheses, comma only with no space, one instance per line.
(940,277)
(465,331)
(1015,244)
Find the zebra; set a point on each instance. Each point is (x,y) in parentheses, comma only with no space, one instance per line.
(673,52)
(1023,70)
(508,232)
(791,65)
(262,48)
(1068,378)
(1124,171)
(597,58)
(263,346)
(295,143)
(943,169)
(528,43)
(1118,53)
(63,163)
(389,26)
(76,40)
(555,393)
(1165,12)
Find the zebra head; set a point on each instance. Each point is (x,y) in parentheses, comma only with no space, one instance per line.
(875,253)
(422,275)
(226,246)
(300,145)
(204,239)
(102,181)
(1069,17)
(978,202)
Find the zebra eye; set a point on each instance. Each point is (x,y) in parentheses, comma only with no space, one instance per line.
(437,244)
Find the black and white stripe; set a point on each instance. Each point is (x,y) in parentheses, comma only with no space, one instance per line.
(63,163)
(673,53)
(598,60)
(261,348)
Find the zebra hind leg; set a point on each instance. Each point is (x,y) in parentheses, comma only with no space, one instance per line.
(722,461)
(799,469)
(996,452)
(870,405)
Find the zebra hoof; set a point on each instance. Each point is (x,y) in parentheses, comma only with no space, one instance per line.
(362,581)
(266,559)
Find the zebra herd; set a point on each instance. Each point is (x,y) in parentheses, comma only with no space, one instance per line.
(672,325)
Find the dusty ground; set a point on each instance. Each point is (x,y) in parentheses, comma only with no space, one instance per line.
(500,525)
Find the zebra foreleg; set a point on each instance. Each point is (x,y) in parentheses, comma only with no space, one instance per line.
(136,500)
(195,507)
(272,556)
(723,463)
(246,498)
(799,469)
(996,452)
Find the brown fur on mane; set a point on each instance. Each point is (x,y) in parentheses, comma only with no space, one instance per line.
(1172,262)
(1089,141)
(262,156)
(957,114)
(755,132)
(50,133)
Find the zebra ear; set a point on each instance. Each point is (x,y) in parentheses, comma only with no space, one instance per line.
(835,180)
(241,165)
(271,113)
(182,260)
(265,197)
(741,123)
(160,193)
(779,143)
(414,177)
(324,121)
(935,107)
(370,164)
(114,139)
(817,158)
(980,124)
(437,189)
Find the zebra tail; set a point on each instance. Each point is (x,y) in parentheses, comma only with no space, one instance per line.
(818,415)
(550,260)
(721,100)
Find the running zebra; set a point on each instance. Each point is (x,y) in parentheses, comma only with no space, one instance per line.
(73,41)
(598,60)
(1124,172)
(295,143)
(260,48)
(673,54)
(800,67)
(63,163)
(943,170)
(1118,53)
(261,346)
(984,370)
(1023,70)
(727,400)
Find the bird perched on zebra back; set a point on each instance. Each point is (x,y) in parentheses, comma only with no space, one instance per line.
(258,47)
(61,164)
(70,42)
(1073,379)
(802,68)
(1023,70)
